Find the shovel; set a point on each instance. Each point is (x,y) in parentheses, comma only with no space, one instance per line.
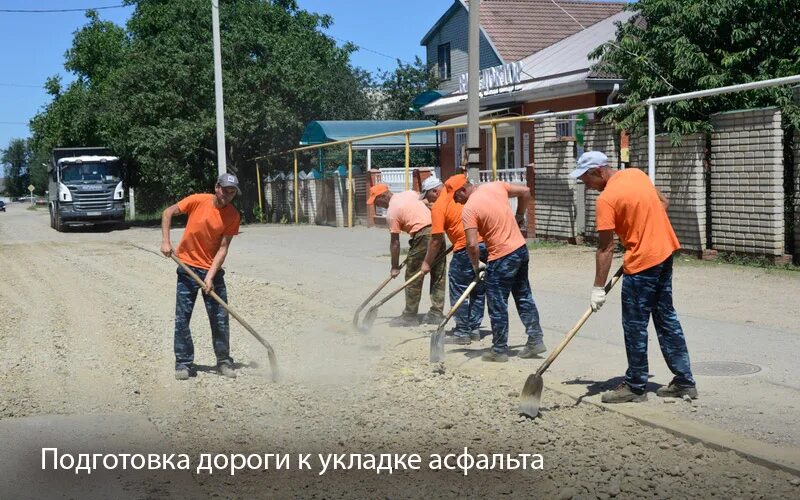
(531,394)
(372,296)
(372,312)
(437,339)
(273,362)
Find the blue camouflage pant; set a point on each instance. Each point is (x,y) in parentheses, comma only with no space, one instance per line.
(509,274)
(647,293)
(185,297)
(469,315)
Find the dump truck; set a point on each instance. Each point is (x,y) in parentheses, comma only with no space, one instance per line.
(85,188)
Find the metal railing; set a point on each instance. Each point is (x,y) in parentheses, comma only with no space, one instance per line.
(650,103)
(511,175)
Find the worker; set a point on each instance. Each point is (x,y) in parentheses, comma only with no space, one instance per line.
(633,208)
(212,223)
(446,218)
(405,212)
(487,213)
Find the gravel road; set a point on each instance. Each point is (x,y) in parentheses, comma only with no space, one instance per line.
(86,330)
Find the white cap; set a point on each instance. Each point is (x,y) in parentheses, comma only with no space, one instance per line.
(588,161)
(431,182)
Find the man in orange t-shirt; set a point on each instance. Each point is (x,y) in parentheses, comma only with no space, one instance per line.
(631,206)
(446,219)
(487,213)
(212,224)
(405,212)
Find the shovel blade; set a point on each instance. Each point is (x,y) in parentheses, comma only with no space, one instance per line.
(531,395)
(273,364)
(369,319)
(437,345)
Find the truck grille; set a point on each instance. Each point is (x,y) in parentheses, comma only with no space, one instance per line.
(90,201)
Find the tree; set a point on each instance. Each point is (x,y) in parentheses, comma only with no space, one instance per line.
(399,88)
(147,90)
(15,159)
(676,46)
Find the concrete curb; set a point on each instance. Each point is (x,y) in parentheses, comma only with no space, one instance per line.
(759,452)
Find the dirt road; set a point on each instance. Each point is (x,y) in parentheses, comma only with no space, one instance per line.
(86,330)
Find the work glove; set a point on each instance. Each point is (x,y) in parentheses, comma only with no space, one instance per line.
(598,298)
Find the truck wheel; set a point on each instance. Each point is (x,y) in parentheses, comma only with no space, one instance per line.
(59,224)
(52,220)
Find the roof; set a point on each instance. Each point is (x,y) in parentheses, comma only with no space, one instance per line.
(87,159)
(519,28)
(565,64)
(319,132)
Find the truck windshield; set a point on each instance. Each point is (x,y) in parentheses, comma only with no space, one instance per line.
(90,172)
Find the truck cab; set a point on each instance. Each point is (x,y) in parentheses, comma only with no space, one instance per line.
(85,188)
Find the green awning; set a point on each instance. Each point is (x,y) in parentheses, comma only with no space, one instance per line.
(426,98)
(321,131)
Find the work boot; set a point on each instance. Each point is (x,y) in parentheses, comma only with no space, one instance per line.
(493,356)
(456,340)
(226,370)
(405,320)
(624,394)
(433,318)
(475,335)
(532,349)
(183,372)
(676,391)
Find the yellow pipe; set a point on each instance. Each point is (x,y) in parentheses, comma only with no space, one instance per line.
(509,119)
(350,184)
(296,193)
(408,157)
(494,151)
(258,183)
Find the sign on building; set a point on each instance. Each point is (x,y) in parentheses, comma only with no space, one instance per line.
(495,77)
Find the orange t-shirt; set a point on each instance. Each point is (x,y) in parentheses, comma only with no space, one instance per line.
(488,211)
(630,206)
(446,218)
(407,213)
(205,228)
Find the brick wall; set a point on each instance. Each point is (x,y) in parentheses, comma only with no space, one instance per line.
(680,175)
(554,189)
(747,172)
(796,150)
(598,136)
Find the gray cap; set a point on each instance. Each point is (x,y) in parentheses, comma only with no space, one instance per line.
(431,182)
(229,180)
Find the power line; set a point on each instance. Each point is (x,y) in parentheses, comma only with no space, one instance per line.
(20,85)
(50,11)
(360,47)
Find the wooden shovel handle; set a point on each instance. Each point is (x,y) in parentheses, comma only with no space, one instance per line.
(554,354)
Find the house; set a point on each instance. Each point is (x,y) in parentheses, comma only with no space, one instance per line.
(533,57)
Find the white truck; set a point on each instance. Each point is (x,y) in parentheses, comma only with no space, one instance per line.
(85,188)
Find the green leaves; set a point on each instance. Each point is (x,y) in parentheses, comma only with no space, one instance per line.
(147,90)
(679,46)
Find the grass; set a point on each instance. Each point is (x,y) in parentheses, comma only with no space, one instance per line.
(734,259)
(539,244)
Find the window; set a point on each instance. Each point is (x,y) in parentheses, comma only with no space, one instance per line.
(461,146)
(565,127)
(444,61)
(505,152)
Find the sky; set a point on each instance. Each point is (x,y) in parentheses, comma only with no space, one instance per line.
(33,44)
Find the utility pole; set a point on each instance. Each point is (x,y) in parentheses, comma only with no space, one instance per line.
(473,81)
(222,164)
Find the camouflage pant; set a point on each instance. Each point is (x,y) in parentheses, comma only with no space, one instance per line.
(416,254)
(506,275)
(470,315)
(650,293)
(217,316)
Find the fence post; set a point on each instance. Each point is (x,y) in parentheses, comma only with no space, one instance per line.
(258,184)
(494,151)
(408,158)
(350,184)
(296,192)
